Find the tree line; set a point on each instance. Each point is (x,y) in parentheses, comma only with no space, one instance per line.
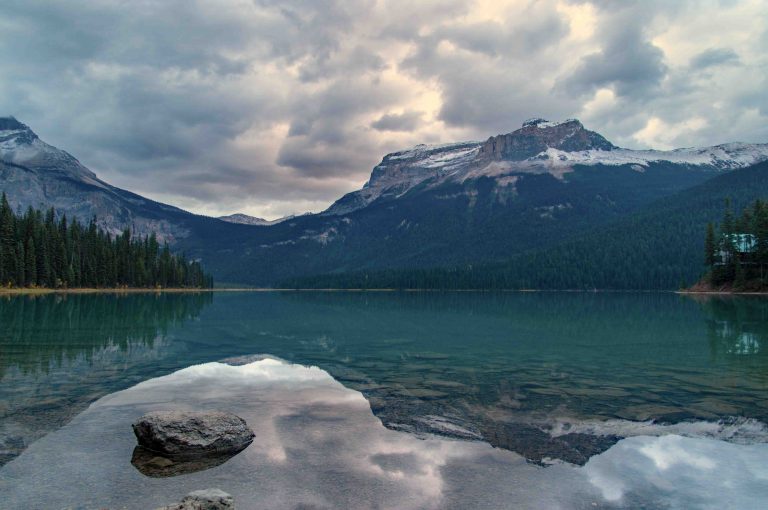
(736,254)
(39,250)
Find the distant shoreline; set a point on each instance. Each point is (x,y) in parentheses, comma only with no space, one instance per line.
(41,291)
(720,293)
(151,290)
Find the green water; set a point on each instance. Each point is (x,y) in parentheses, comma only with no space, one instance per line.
(498,367)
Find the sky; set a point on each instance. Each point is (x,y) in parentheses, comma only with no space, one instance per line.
(280,107)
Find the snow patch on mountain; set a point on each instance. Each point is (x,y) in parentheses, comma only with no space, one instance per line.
(437,154)
(19,145)
(729,156)
(400,171)
(543,123)
(245,219)
(504,156)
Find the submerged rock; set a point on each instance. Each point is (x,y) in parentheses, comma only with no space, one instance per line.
(192,433)
(207,499)
(159,465)
(10,448)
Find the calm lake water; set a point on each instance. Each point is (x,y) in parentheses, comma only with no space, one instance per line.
(501,395)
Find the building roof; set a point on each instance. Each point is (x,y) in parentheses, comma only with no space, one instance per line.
(744,243)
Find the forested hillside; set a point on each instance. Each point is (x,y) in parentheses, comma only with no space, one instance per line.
(659,247)
(39,250)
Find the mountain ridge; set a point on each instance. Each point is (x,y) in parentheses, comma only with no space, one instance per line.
(539,146)
(458,203)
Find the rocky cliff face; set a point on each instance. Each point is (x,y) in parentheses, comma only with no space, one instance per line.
(33,173)
(538,135)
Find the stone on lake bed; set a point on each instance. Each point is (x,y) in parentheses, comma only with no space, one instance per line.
(161,465)
(192,433)
(207,499)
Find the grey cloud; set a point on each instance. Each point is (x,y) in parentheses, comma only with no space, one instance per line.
(496,85)
(324,139)
(714,57)
(407,121)
(500,102)
(526,34)
(311,33)
(329,149)
(628,62)
(159,90)
(358,61)
(274,101)
(406,18)
(160,35)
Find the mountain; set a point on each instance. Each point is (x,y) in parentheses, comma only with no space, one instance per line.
(472,203)
(661,246)
(244,219)
(33,173)
(539,147)
(429,206)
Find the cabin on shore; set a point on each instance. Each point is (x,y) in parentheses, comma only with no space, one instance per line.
(744,245)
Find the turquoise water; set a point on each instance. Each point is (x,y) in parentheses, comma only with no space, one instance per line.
(549,376)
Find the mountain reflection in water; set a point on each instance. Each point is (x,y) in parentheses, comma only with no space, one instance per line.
(318,445)
(547,375)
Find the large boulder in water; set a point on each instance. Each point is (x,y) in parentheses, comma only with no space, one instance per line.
(208,499)
(192,433)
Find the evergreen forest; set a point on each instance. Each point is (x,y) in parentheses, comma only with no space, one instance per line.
(37,249)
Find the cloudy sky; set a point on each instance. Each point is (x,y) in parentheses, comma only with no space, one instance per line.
(277,107)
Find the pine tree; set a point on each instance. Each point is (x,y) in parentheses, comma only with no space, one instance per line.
(710,246)
(7,241)
(31,263)
(19,277)
(739,280)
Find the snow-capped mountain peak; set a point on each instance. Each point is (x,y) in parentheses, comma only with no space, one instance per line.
(19,145)
(13,132)
(245,219)
(539,146)
(544,123)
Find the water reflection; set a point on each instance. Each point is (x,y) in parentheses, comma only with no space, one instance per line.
(737,326)
(158,465)
(40,332)
(58,353)
(318,446)
(507,368)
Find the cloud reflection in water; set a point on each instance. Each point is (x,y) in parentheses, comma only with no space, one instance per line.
(318,445)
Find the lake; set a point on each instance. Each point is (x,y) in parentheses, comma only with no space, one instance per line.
(393,400)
